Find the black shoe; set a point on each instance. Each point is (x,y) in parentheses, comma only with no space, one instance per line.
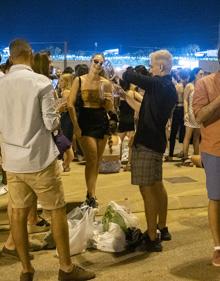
(91,201)
(151,245)
(13,253)
(164,234)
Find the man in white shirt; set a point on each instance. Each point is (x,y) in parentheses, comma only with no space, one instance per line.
(27,118)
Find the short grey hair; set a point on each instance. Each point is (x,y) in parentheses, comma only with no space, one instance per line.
(165,57)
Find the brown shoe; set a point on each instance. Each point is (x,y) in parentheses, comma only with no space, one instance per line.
(77,274)
(13,253)
(27,276)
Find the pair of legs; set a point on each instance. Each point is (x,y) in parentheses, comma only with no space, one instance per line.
(93,150)
(155,203)
(189,133)
(32,219)
(24,189)
(60,234)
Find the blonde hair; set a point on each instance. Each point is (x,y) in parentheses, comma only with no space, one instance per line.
(68,80)
(164,57)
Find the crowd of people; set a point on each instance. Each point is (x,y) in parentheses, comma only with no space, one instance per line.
(47,120)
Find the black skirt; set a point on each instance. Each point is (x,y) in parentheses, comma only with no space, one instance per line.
(93,122)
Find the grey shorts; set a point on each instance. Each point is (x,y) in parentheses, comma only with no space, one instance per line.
(211,165)
(146,166)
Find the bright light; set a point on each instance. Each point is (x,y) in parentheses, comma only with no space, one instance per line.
(188,63)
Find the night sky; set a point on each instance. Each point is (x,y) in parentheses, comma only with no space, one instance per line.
(113,23)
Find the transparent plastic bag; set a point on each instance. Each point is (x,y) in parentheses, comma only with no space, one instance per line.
(80,222)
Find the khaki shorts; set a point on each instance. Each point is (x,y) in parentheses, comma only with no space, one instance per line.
(45,186)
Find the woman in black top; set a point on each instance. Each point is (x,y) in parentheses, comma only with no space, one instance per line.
(91,126)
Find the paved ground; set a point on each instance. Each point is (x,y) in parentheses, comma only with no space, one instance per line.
(186,257)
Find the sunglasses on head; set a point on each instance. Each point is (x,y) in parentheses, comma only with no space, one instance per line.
(98,62)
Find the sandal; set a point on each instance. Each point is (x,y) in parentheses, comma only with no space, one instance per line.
(187,162)
(168,158)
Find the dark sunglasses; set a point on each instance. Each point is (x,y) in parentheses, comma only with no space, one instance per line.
(98,62)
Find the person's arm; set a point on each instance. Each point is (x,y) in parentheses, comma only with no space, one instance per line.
(205,112)
(138,97)
(50,116)
(71,106)
(140,80)
(130,99)
(108,103)
(186,94)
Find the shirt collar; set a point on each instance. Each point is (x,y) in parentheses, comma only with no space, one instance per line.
(17,67)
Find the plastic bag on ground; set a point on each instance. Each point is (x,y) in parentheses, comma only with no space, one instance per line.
(120,215)
(80,223)
(112,240)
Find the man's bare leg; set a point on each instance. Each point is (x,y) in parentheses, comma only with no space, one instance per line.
(32,219)
(61,237)
(214,220)
(162,204)
(20,236)
(151,209)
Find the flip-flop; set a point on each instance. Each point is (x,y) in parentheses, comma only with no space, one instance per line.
(187,163)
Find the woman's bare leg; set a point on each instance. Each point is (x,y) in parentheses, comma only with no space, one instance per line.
(186,142)
(89,145)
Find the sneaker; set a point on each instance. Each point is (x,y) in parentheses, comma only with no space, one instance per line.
(164,234)
(40,226)
(151,245)
(27,276)
(13,253)
(216,258)
(168,158)
(91,201)
(3,189)
(77,274)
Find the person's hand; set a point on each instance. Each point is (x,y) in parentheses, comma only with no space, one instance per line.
(186,116)
(62,107)
(130,94)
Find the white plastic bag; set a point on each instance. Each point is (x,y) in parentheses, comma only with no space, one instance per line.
(119,214)
(80,222)
(112,240)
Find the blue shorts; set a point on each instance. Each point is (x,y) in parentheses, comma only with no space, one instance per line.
(211,164)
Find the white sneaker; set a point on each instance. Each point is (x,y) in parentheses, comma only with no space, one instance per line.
(3,189)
